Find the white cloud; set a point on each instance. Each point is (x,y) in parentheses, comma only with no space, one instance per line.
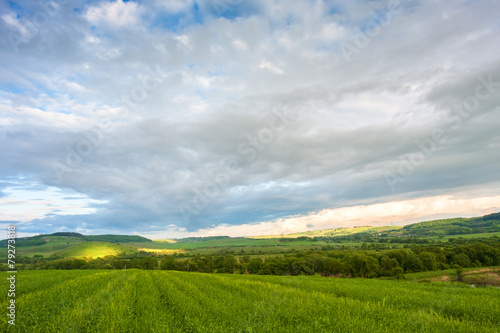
(383,214)
(75,86)
(273,68)
(118,14)
(24,203)
(240,44)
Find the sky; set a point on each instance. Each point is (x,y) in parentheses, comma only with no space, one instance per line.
(174,118)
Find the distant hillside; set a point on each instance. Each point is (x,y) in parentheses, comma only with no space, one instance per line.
(95,250)
(201,239)
(456,226)
(334,232)
(445,227)
(58,236)
(71,244)
(117,239)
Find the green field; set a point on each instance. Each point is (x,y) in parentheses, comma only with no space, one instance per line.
(95,250)
(73,247)
(226,242)
(169,301)
(334,232)
(76,247)
(52,245)
(233,244)
(468,236)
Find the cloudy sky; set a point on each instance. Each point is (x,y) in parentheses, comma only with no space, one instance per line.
(175,118)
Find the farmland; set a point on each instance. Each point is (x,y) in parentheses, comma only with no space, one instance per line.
(68,244)
(169,301)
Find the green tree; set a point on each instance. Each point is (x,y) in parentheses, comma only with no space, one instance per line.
(229,264)
(77,263)
(135,263)
(412,263)
(362,265)
(398,272)
(119,263)
(387,264)
(168,263)
(461,260)
(149,263)
(429,260)
(255,266)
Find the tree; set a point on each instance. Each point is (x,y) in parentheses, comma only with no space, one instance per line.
(387,264)
(229,264)
(244,261)
(333,266)
(37,258)
(412,263)
(119,264)
(135,263)
(460,273)
(398,272)
(271,266)
(429,260)
(77,264)
(461,260)
(400,255)
(255,266)
(362,265)
(168,263)
(149,263)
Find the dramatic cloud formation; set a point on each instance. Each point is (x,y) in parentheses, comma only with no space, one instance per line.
(171,118)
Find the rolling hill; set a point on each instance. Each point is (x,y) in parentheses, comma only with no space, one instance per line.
(95,250)
(69,244)
(435,228)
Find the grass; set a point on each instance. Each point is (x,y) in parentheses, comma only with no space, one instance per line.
(480,276)
(53,244)
(168,301)
(95,250)
(467,236)
(268,246)
(72,247)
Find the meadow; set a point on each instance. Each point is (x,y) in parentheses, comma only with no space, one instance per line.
(171,301)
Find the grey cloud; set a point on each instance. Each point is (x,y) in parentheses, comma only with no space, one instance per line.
(218,93)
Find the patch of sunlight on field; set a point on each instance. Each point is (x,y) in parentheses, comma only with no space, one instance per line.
(96,250)
(162,251)
(164,240)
